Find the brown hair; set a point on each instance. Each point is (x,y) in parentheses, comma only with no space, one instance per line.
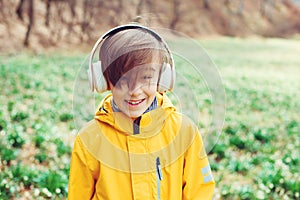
(127,49)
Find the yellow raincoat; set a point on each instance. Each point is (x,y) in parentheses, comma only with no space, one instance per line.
(166,160)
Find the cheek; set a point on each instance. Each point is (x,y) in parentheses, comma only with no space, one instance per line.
(151,90)
(117,95)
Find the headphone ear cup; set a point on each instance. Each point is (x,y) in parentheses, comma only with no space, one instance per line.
(167,78)
(96,78)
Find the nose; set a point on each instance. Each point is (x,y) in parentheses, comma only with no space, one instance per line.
(134,87)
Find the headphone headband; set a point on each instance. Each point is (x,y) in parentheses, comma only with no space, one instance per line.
(129,26)
(119,29)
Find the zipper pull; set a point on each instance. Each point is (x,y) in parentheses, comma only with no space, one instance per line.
(158,169)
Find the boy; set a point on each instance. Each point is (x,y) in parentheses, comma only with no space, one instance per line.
(138,146)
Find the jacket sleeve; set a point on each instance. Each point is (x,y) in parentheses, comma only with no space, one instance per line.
(84,171)
(198,183)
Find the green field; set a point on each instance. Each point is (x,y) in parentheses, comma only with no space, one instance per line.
(257,155)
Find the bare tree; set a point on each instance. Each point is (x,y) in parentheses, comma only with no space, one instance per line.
(206,4)
(120,6)
(266,8)
(272,5)
(239,10)
(84,22)
(262,7)
(241,7)
(227,3)
(88,12)
(30,23)
(48,6)
(19,10)
(48,3)
(2,5)
(139,7)
(72,4)
(176,14)
(148,6)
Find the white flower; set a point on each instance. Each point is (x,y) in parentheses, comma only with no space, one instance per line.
(46,192)
(58,191)
(36,192)
(271,185)
(260,194)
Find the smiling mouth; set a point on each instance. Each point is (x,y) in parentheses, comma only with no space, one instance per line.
(135,102)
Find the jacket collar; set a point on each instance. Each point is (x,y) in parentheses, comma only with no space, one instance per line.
(150,122)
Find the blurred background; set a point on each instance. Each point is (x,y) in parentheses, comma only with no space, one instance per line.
(255,45)
(40,24)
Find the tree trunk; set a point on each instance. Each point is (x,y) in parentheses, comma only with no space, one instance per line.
(241,7)
(19,10)
(139,7)
(272,5)
(84,22)
(262,7)
(176,14)
(72,4)
(206,4)
(48,6)
(30,24)
(227,3)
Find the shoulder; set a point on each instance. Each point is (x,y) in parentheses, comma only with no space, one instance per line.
(85,132)
(90,134)
(183,127)
(182,120)
(89,128)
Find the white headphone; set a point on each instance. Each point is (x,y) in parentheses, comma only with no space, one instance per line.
(95,74)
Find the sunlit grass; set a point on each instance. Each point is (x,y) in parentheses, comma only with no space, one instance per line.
(257,154)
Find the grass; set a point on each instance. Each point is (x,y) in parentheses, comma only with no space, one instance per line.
(261,79)
(36,126)
(257,154)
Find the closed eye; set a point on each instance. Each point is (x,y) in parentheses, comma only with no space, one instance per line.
(147,77)
(122,82)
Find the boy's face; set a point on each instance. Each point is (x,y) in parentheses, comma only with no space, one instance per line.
(136,89)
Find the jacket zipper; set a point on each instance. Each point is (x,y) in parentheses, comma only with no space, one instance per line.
(136,125)
(159,177)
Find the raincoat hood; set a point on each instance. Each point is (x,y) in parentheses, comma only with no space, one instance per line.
(149,124)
